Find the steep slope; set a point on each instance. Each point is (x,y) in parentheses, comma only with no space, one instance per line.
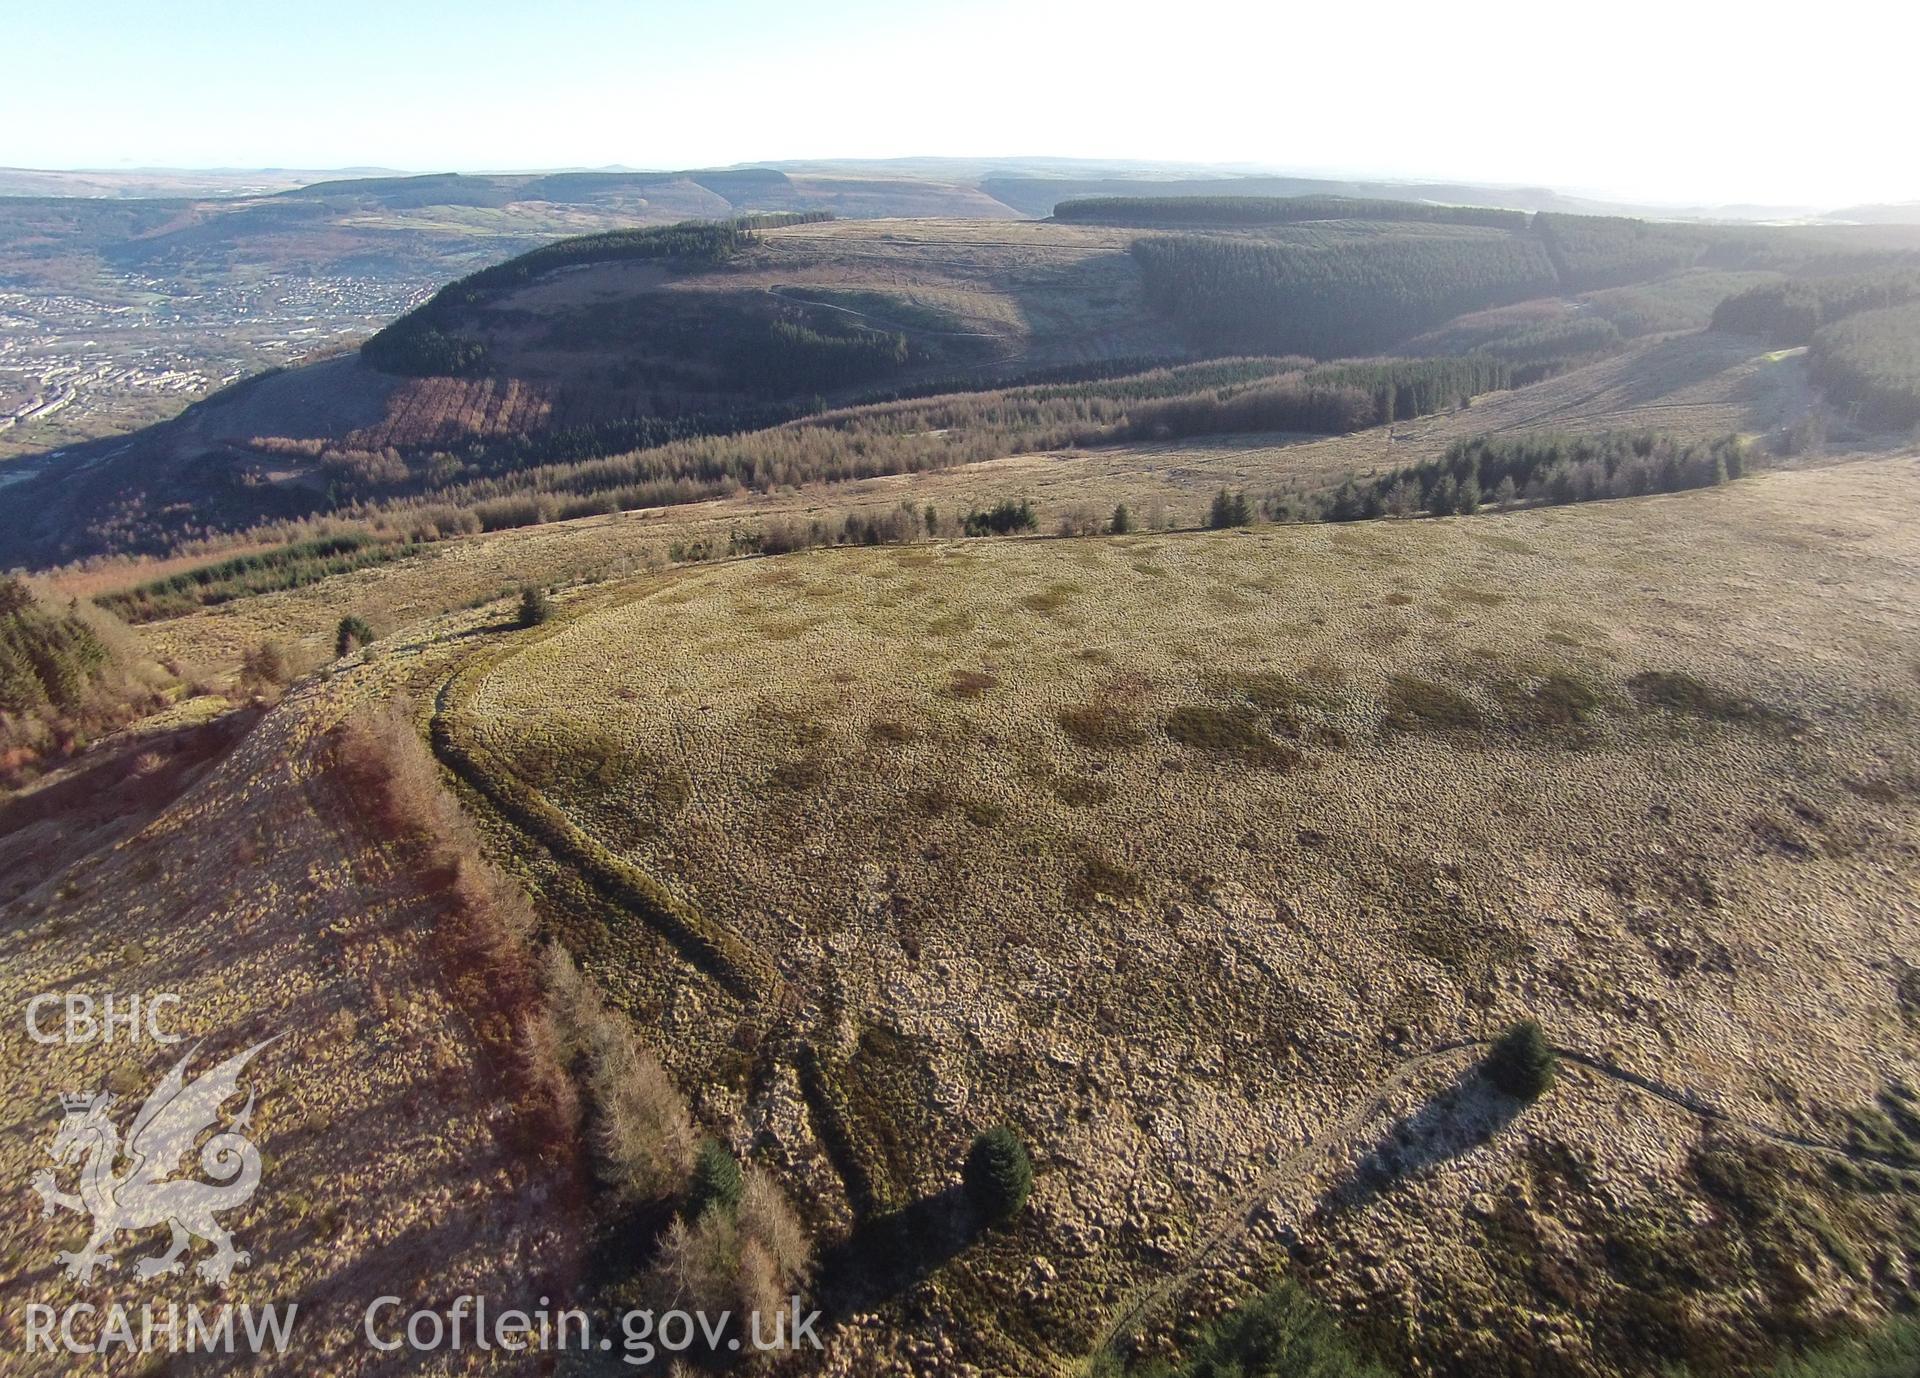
(579,360)
(271,901)
(115,311)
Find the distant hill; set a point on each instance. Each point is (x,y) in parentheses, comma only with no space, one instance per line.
(1903,213)
(140,183)
(389,226)
(1273,210)
(1039,195)
(658,196)
(626,340)
(128,299)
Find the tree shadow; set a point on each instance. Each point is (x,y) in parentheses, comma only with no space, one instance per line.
(1464,1114)
(624,1238)
(888,1254)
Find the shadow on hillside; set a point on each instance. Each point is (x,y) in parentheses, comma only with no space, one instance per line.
(507,621)
(105,795)
(1677,364)
(1088,310)
(888,1254)
(1465,1114)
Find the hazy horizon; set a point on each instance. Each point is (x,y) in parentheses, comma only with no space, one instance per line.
(1013,161)
(1657,106)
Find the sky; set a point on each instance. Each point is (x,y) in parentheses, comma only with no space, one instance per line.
(1677,102)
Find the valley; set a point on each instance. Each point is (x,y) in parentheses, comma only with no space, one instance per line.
(160,297)
(512,389)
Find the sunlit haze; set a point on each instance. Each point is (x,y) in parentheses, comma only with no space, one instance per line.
(1656,102)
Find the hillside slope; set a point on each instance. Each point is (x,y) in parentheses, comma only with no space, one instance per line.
(267,898)
(1697,388)
(600,345)
(1205,859)
(115,311)
(620,343)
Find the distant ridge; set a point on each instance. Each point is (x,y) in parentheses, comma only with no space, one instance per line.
(1040,195)
(1902,213)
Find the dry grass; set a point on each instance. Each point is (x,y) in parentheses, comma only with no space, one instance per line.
(1044,844)
(393,1116)
(484,931)
(1695,387)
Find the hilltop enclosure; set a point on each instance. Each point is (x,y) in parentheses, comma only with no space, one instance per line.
(951,832)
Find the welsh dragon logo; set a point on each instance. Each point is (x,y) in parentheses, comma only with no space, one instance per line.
(146,1193)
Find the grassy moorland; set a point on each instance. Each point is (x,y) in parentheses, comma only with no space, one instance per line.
(964,824)
(1696,388)
(1206,860)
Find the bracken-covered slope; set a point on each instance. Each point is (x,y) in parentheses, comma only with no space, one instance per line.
(262,891)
